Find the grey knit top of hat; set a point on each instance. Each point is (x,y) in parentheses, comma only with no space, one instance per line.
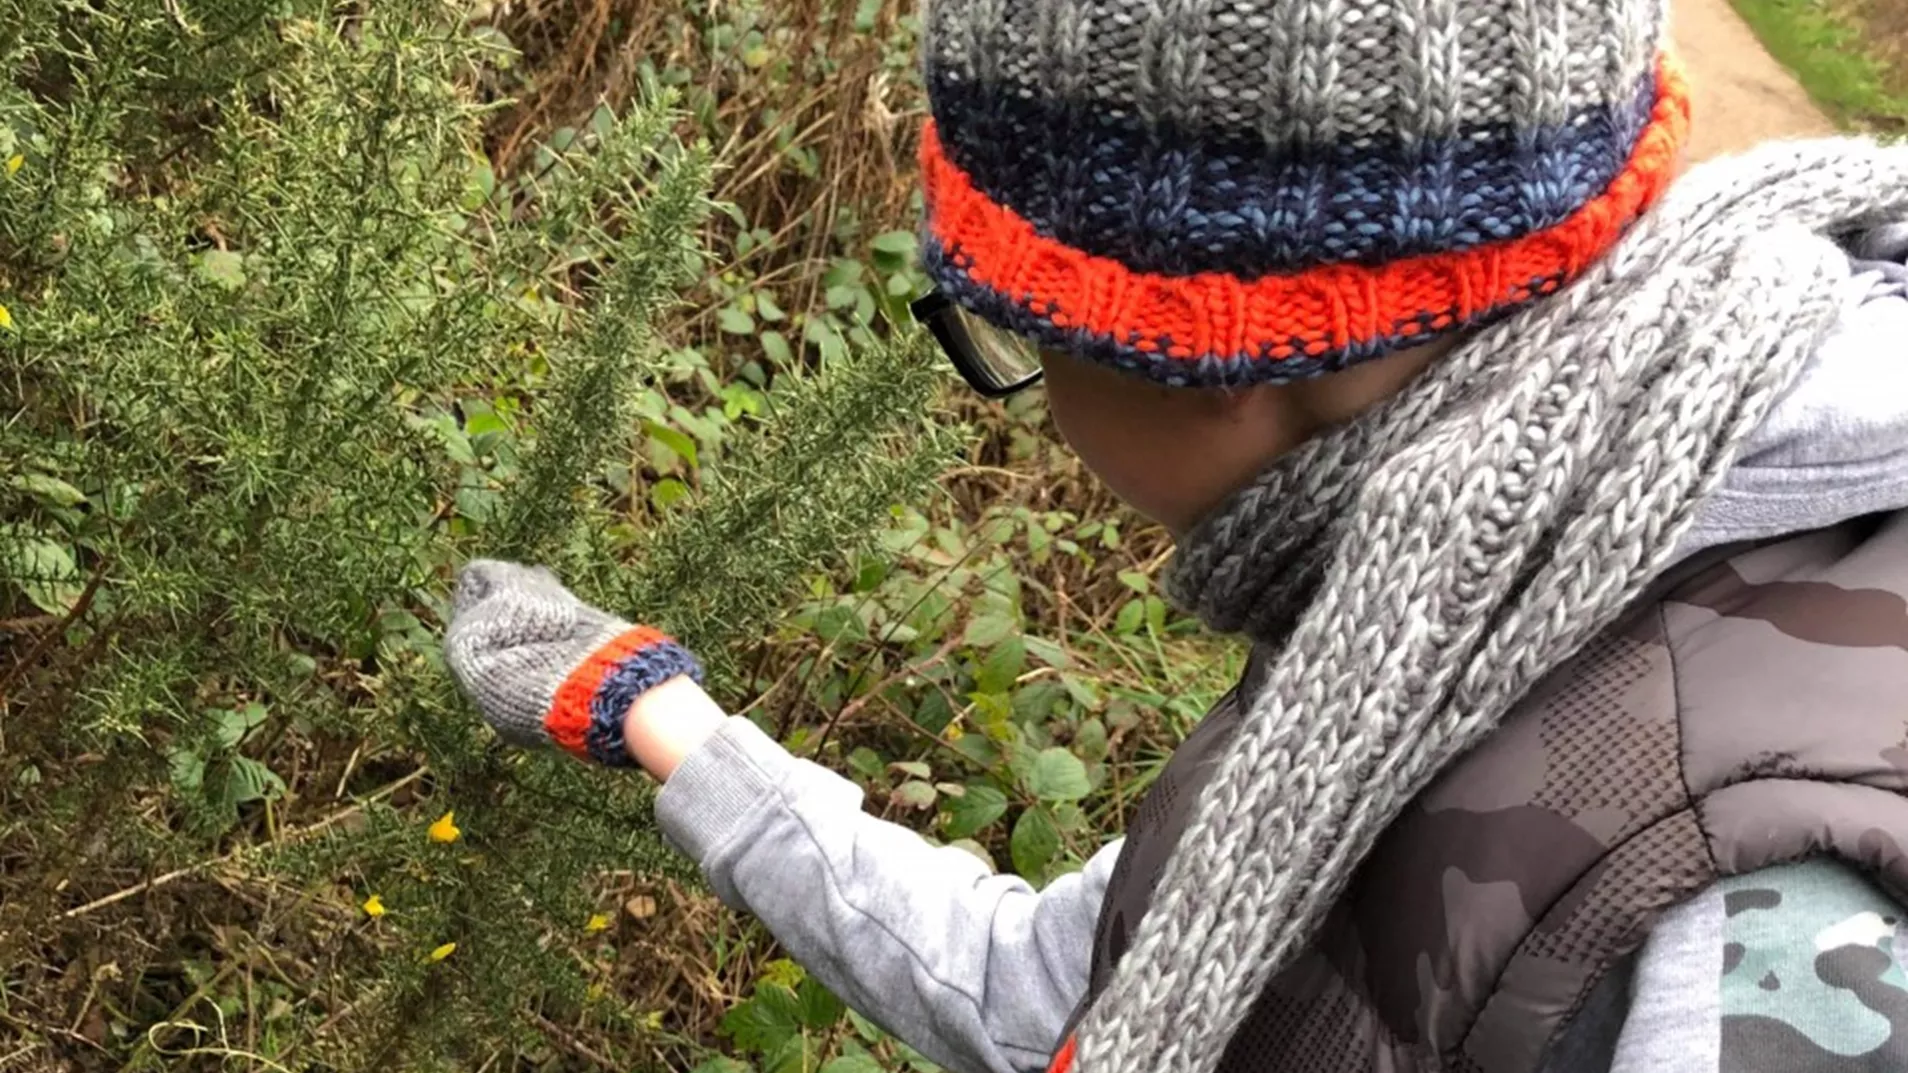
(1421,568)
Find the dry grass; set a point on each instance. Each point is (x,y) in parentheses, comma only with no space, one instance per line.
(817,126)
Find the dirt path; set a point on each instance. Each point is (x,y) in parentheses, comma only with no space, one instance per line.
(1742,96)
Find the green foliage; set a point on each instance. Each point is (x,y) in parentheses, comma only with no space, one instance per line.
(1002,719)
(790,1023)
(1824,44)
(280,349)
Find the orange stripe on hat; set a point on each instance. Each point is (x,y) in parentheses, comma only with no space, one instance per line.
(1306,314)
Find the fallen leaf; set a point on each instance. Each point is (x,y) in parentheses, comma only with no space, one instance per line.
(6,318)
(597,922)
(16,162)
(641,907)
(443,952)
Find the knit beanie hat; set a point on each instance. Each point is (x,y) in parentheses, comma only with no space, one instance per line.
(1225,192)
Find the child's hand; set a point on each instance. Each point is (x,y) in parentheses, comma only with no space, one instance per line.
(544,667)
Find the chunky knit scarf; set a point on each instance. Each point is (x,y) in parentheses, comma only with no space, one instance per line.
(1419,570)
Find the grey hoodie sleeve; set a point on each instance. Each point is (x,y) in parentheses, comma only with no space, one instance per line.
(975,970)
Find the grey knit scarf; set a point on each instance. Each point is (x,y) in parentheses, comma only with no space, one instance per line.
(1421,568)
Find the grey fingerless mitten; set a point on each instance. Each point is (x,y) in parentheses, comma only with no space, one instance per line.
(545,667)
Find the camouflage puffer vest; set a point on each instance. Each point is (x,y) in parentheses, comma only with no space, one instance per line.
(1751,710)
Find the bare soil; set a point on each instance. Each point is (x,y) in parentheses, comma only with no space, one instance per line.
(1742,95)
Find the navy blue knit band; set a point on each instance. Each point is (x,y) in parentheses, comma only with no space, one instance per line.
(636,674)
(1161,198)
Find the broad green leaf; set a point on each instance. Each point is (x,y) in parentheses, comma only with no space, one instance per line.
(187,769)
(1034,843)
(1058,775)
(794,1054)
(1003,665)
(1082,691)
(819,1007)
(767,308)
(775,347)
(1090,740)
(866,1029)
(765,1020)
(735,320)
(48,489)
(1156,615)
(824,337)
(853,1063)
(986,631)
(229,726)
(43,569)
(843,272)
(672,438)
(865,762)
(973,810)
(483,422)
(223,267)
(915,794)
(1131,618)
(1136,581)
(913,767)
(722,1063)
(933,712)
(667,493)
(476,502)
(249,780)
(980,749)
(782,972)
(1048,652)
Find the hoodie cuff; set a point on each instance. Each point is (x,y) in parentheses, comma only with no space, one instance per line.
(734,775)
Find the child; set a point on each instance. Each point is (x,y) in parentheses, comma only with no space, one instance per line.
(1558,501)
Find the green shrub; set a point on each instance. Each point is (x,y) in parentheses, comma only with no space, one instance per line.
(279,349)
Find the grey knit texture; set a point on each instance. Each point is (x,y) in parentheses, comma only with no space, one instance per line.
(515,634)
(1422,568)
(1311,72)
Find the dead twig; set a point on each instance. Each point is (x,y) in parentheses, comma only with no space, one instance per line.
(570,1043)
(291,836)
(905,671)
(80,607)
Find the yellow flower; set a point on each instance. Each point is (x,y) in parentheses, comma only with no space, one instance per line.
(6,318)
(653,1020)
(374,907)
(444,951)
(16,162)
(445,829)
(597,922)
